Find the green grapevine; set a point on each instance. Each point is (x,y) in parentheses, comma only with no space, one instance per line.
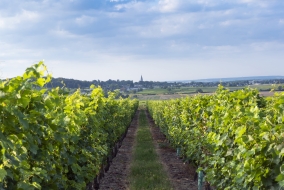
(51,139)
(236,138)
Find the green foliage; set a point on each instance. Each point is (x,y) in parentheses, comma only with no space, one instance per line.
(236,138)
(50,139)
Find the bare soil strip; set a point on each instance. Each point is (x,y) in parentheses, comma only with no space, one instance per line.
(117,176)
(180,174)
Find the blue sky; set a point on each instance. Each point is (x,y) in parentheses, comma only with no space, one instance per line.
(161,39)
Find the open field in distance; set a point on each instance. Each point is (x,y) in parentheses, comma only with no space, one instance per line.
(165,94)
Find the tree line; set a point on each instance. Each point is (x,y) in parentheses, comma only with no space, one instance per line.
(124,85)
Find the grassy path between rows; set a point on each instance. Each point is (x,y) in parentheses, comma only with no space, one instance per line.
(146,171)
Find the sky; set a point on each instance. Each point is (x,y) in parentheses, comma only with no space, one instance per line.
(163,40)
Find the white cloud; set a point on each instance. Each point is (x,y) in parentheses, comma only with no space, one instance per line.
(62,33)
(267,46)
(222,48)
(229,23)
(135,7)
(22,18)
(168,5)
(85,20)
(103,37)
(261,3)
(168,26)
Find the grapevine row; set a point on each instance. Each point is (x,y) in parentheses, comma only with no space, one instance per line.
(51,139)
(235,138)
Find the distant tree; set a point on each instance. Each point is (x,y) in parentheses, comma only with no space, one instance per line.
(125,96)
(199,90)
(280,88)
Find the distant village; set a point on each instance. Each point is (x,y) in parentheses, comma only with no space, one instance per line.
(128,86)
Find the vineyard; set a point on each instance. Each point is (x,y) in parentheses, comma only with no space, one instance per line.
(235,138)
(51,139)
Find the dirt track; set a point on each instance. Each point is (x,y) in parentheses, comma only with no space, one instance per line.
(181,175)
(117,176)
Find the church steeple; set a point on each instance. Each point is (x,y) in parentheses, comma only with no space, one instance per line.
(141,80)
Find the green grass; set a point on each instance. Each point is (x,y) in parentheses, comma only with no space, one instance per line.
(160,94)
(182,90)
(192,90)
(146,170)
(153,91)
(142,104)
